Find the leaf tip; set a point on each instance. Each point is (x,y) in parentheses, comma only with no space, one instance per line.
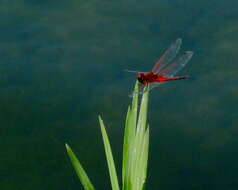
(99,117)
(67,147)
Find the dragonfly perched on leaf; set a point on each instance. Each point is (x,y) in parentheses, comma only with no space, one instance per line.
(165,68)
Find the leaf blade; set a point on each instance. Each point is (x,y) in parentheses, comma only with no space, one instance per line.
(83,177)
(138,172)
(129,135)
(109,156)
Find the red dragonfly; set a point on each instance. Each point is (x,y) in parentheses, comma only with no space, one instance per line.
(164,69)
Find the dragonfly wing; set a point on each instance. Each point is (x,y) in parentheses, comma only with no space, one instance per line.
(154,85)
(177,65)
(168,56)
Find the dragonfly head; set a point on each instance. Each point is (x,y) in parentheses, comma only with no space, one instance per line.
(140,77)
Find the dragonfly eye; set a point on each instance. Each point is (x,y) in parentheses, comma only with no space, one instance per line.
(138,75)
(140,78)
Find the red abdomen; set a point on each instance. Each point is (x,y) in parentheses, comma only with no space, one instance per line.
(151,77)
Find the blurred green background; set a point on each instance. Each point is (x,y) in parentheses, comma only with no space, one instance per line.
(62,64)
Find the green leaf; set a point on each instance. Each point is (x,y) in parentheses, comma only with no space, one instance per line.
(79,169)
(129,135)
(143,110)
(143,158)
(136,142)
(139,148)
(135,148)
(109,156)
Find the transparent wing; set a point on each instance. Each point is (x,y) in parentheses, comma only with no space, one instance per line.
(168,56)
(177,65)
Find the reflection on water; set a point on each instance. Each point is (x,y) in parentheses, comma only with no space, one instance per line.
(62,64)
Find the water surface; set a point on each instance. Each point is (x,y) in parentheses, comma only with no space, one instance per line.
(62,64)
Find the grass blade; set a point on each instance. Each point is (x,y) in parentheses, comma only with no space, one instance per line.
(143,110)
(143,159)
(139,148)
(129,135)
(135,149)
(79,169)
(109,156)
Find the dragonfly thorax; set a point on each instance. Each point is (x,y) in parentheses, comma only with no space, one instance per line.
(145,78)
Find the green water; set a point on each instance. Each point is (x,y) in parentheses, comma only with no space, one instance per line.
(62,64)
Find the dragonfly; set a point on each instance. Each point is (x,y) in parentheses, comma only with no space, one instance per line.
(165,69)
